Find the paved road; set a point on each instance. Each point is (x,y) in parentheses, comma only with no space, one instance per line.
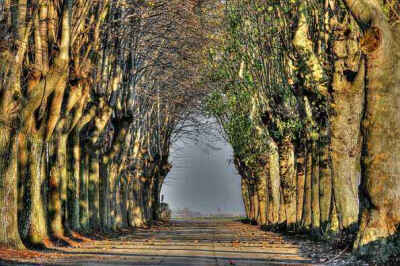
(185,243)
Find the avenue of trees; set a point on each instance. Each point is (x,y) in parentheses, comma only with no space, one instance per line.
(307,92)
(91,93)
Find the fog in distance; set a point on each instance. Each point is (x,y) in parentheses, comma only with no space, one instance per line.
(203,177)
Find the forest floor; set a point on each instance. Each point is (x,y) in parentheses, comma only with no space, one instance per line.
(185,242)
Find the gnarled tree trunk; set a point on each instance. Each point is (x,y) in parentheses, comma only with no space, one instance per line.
(348,93)
(381,125)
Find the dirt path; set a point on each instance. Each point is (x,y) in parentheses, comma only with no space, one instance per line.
(181,243)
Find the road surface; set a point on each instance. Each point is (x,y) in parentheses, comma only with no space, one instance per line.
(182,243)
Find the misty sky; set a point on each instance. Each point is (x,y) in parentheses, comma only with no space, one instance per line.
(202,178)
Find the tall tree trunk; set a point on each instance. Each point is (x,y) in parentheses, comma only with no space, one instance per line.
(261,186)
(245,196)
(131,202)
(123,203)
(136,211)
(15,20)
(117,205)
(84,190)
(9,235)
(315,193)
(151,198)
(58,181)
(62,157)
(113,191)
(36,187)
(325,182)
(104,197)
(288,180)
(55,204)
(251,204)
(267,193)
(282,210)
(348,94)
(74,172)
(156,196)
(274,181)
(381,125)
(333,219)
(92,165)
(23,190)
(270,207)
(307,220)
(301,174)
(253,199)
